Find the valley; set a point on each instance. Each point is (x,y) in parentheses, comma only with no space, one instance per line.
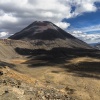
(48,67)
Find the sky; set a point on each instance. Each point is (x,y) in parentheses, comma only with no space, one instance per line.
(80,18)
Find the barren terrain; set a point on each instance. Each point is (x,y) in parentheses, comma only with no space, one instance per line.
(77,78)
(43,62)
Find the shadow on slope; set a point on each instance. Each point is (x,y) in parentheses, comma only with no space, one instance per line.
(4,64)
(58,52)
(60,57)
(85,69)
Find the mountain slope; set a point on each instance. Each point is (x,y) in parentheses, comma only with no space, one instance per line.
(41,30)
(44,62)
(47,33)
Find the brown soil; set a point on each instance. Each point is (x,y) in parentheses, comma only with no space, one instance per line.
(76,77)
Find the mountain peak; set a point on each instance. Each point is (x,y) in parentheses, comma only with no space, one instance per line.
(43,30)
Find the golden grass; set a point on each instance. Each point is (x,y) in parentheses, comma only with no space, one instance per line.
(86,88)
(18,61)
(18,76)
(83,59)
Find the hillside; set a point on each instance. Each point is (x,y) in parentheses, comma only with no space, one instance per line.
(47,33)
(44,62)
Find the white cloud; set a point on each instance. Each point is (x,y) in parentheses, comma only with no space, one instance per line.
(3,34)
(16,14)
(91,28)
(8,18)
(85,6)
(89,38)
(63,25)
(82,6)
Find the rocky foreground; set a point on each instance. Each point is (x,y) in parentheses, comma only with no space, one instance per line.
(16,89)
(51,82)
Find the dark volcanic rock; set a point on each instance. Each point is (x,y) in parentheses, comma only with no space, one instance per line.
(11,91)
(1,72)
(47,34)
(41,30)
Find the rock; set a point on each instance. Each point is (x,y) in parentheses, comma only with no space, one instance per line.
(1,72)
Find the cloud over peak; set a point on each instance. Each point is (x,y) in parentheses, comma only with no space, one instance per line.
(17,14)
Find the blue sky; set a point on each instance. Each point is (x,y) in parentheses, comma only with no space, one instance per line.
(78,17)
(84,20)
(88,23)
